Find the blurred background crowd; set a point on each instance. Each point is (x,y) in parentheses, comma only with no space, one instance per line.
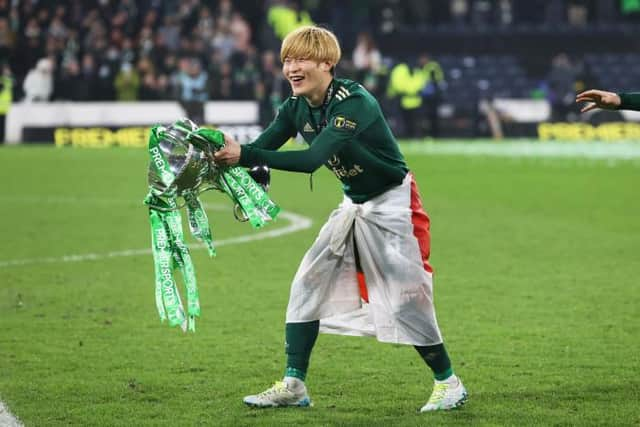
(424,59)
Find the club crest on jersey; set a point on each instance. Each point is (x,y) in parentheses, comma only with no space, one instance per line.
(307,128)
(340,122)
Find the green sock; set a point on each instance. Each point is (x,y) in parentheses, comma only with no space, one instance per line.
(300,338)
(437,359)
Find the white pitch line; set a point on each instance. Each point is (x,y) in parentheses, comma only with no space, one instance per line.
(298,222)
(7,419)
(589,150)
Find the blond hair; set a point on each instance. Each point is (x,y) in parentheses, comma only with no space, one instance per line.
(311,42)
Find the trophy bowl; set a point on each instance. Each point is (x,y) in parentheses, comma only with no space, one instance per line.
(188,165)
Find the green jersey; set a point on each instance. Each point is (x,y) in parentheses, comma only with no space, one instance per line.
(629,101)
(348,134)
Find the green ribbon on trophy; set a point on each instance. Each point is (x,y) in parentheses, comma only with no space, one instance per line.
(181,165)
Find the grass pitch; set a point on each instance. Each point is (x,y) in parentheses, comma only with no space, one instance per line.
(536,287)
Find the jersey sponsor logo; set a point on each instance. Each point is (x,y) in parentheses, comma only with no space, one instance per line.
(333,161)
(307,128)
(340,122)
(340,171)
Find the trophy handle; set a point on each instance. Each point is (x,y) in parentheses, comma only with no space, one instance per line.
(239,213)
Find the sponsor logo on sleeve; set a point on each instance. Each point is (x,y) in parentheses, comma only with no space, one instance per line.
(340,122)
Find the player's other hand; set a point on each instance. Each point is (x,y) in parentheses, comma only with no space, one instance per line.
(598,99)
(229,155)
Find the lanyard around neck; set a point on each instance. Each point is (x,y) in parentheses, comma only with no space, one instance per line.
(317,127)
(323,111)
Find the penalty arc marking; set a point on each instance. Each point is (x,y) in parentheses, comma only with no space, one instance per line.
(297,223)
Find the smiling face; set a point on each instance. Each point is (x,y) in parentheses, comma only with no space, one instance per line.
(308,56)
(306,76)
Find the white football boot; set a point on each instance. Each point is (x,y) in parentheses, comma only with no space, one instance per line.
(283,393)
(447,394)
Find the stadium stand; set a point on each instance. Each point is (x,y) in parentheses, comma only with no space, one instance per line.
(194,51)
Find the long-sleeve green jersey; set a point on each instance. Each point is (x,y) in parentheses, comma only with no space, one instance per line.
(629,101)
(348,134)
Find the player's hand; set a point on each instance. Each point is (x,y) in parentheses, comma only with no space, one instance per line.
(229,155)
(598,99)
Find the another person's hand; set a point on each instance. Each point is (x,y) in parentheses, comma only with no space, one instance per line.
(599,99)
(229,155)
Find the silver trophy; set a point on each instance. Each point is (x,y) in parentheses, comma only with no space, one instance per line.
(191,169)
(189,160)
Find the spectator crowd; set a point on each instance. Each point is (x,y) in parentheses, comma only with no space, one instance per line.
(199,50)
(143,50)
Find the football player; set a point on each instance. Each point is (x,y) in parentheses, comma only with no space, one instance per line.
(367,273)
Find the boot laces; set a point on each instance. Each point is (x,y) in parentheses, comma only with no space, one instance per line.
(277,388)
(439,393)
